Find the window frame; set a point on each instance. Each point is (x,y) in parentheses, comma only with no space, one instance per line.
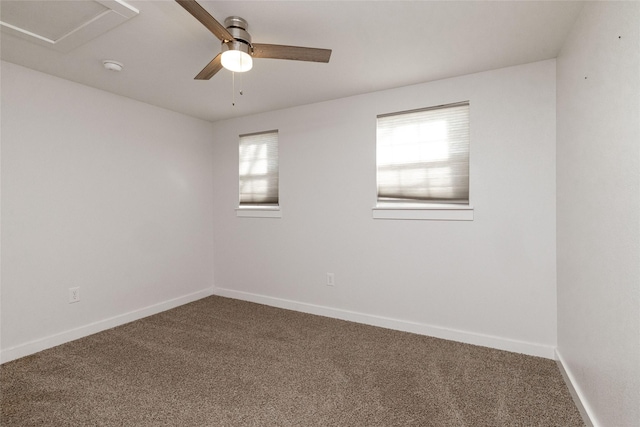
(414,209)
(259,210)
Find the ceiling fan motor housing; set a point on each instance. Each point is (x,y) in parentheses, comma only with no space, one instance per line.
(237,27)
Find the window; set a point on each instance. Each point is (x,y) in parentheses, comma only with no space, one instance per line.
(423,160)
(258,173)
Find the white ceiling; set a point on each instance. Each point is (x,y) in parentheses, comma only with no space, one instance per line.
(376,45)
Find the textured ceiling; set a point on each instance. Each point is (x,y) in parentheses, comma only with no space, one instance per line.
(376,45)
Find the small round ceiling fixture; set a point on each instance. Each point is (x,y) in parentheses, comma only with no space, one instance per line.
(112,65)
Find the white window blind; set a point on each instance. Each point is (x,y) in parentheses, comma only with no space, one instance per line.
(423,155)
(259,169)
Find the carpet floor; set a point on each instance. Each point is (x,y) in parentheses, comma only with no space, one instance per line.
(224,362)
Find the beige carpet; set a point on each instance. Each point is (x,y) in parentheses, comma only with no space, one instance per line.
(223,362)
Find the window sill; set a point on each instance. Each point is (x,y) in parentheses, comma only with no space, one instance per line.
(422,212)
(263,212)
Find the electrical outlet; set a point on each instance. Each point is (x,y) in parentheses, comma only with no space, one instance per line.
(331,279)
(74,295)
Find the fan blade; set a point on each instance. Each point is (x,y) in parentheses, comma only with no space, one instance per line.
(206,19)
(211,69)
(296,53)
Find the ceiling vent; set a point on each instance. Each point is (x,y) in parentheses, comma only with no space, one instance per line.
(63,25)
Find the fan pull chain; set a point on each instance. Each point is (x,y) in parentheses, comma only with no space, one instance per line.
(233,88)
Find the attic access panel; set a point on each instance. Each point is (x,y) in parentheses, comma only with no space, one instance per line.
(62,25)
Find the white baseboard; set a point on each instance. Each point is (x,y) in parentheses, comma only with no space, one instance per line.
(35,346)
(499,343)
(576,392)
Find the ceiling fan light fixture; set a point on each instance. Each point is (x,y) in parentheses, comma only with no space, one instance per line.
(236,56)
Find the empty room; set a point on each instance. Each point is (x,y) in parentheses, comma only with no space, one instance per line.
(319,213)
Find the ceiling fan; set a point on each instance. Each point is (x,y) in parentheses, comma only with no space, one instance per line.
(237,50)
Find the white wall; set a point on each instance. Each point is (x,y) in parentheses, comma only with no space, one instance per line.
(490,281)
(599,211)
(100,192)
